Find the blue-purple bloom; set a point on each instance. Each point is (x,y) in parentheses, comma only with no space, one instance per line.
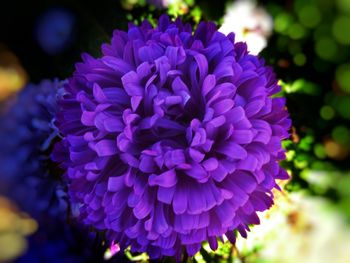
(171,138)
(25,136)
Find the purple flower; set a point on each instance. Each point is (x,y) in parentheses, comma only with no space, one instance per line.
(171,138)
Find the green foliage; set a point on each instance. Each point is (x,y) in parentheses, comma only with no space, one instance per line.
(310,50)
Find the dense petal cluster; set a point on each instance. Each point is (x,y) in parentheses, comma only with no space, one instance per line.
(171,137)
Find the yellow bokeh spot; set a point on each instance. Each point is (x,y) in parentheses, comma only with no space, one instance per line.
(12,76)
(11,246)
(14,228)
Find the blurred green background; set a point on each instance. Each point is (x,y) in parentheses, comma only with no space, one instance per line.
(308,44)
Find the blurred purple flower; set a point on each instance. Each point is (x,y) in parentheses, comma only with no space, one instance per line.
(171,138)
(25,135)
(27,177)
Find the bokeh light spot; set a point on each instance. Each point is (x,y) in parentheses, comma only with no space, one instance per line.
(282,22)
(343,77)
(12,75)
(343,5)
(296,31)
(299,59)
(341,134)
(335,150)
(14,227)
(301,161)
(11,245)
(326,48)
(301,86)
(343,184)
(320,151)
(342,106)
(341,30)
(327,112)
(310,16)
(55,30)
(290,155)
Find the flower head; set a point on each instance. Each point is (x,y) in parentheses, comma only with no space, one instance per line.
(171,138)
(25,136)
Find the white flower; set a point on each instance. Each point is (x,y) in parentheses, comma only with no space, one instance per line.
(250,23)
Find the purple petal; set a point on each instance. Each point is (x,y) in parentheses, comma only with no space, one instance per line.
(106,148)
(232,150)
(180,199)
(166,194)
(166,179)
(115,183)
